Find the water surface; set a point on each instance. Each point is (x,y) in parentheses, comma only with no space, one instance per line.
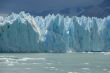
(55,63)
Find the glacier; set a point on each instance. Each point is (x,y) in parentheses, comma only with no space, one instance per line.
(54,33)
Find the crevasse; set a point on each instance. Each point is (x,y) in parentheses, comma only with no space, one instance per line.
(54,33)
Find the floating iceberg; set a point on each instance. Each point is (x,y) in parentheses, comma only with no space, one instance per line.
(54,33)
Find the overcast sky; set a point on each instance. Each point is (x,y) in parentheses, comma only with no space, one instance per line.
(8,6)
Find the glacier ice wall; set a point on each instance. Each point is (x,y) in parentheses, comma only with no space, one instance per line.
(53,33)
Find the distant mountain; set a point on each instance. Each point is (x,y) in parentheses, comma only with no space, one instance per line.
(91,8)
(101,10)
(106,3)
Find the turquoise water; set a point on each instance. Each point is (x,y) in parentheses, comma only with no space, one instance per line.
(55,63)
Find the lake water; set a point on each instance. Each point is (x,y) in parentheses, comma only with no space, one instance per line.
(55,63)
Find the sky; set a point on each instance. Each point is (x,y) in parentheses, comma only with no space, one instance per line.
(31,6)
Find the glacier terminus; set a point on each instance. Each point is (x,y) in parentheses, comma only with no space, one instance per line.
(54,33)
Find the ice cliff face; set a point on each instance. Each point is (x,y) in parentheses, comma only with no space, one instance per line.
(53,33)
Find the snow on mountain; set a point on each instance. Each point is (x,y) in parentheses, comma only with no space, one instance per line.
(53,33)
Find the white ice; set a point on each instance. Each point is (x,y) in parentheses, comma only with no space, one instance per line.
(54,33)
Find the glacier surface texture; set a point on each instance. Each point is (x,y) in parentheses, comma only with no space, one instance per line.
(54,33)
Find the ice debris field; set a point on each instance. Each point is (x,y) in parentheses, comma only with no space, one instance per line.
(54,33)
